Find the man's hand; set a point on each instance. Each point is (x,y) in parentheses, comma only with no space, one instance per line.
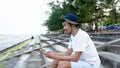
(49,54)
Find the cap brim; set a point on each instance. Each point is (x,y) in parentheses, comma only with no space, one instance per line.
(72,22)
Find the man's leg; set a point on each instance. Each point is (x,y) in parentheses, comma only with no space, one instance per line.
(81,64)
(64,64)
(54,64)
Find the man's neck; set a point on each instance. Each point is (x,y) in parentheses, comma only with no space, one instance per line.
(74,31)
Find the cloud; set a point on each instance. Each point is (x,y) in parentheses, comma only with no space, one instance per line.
(23,16)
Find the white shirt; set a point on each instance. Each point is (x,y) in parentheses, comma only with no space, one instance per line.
(81,42)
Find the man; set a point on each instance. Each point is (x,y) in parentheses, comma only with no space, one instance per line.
(81,52)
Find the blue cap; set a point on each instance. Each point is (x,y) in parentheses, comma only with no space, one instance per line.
(71,18)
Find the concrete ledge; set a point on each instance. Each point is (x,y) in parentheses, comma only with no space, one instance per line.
(107,35)
(113,48)
(110,60)
(114,42)
(102,39)
(59,48)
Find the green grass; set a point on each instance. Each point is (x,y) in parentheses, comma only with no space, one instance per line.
(6,53)
(1,65)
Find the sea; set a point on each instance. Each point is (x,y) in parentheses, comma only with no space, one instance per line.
(7,40)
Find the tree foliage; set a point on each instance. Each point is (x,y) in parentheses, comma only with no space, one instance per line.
(88,11)
(53,23)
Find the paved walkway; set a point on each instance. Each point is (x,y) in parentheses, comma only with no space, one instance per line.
(31,55)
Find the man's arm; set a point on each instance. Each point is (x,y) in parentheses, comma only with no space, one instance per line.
(66,57)
(75,57)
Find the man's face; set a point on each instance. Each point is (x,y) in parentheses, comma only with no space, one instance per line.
(66,27)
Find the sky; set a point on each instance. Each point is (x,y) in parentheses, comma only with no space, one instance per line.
(23,16)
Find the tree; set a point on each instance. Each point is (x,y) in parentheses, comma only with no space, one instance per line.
(113,16)
(88,11)
(82,8)
(54,23)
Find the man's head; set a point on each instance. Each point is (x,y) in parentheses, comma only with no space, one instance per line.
(69,21)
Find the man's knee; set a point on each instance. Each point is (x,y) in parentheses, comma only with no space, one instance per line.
(64,64)
(55,62)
